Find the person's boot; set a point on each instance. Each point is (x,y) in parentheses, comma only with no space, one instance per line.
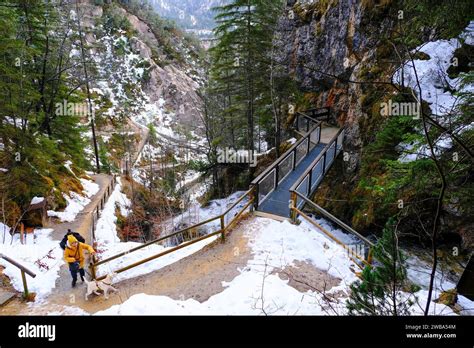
(82,278)
(74,281)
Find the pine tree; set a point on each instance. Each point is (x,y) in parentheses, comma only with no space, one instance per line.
(378,291)
(241,66)
(36,73)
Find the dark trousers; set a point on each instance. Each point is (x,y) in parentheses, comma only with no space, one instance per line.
(75,271)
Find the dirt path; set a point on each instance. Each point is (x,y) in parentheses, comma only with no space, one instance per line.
(198,276)
(83,220)
(81,224)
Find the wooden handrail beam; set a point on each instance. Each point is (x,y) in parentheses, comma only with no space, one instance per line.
(330,235)
(334,219)
(138,263)
(180,231)
(18,265)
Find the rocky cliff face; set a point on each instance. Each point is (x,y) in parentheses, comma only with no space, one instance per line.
(175,83)
(135,67)
(324,46)
(341,55)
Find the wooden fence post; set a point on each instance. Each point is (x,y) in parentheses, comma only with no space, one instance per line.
(252,197)
(22,231)
(256,194)
(223,228)
(293,199)
(25,285)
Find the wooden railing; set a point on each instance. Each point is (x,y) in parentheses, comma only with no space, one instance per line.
(250,195)
(364,257)
(271,177)
(314,174)
(259,190)
(100,206)
(23,270)
(307,183)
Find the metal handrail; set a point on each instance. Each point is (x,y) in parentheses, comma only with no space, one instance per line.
(315,114)
(316,160)
(290,152)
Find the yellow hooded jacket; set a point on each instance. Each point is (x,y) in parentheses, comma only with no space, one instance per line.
(73,254)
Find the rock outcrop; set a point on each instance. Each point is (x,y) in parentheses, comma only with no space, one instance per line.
(324,45)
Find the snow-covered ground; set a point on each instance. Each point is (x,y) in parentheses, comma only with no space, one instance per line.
(109,244)
(40,254)
(76,202)
(274,246)
(419,272)
(434,83)
(196,213)
(259,290)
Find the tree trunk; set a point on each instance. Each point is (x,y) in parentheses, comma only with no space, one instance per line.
(89,99)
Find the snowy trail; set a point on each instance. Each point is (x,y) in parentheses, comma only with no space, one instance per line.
(198,276)
(83,220)
(42,252)
(295,269)
(205,276)
(81,224)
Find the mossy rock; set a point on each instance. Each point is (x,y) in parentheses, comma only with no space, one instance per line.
(384,50)
(448,297)
(314,11)
(463,56)
(421,56)
(375,9)
(70,183)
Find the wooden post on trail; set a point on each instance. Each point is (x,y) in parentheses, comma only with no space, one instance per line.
(22,231)
(223,228)
(293,199)
(25,285)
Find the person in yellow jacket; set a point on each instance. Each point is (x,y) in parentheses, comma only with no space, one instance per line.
(74,256)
